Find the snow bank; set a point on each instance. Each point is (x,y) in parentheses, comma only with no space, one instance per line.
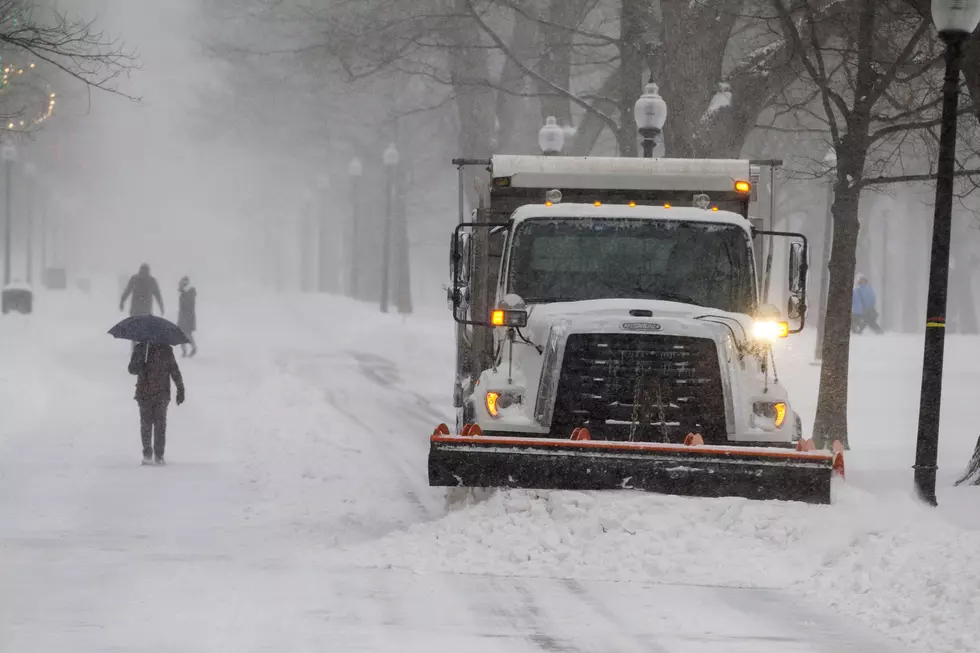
(893,564)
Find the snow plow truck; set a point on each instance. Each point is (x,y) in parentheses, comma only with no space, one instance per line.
(611,332)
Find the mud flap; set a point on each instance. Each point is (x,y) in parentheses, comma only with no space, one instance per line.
(697,470)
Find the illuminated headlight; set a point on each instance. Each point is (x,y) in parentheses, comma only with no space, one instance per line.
(774,411)
(770,330)
(498,400)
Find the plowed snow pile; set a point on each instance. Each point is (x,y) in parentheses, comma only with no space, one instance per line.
(892,563)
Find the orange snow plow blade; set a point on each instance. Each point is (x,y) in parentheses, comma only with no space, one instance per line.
(477,460)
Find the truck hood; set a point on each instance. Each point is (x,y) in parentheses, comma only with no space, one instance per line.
(614,315)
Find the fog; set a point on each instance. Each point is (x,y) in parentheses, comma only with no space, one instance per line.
(127,181)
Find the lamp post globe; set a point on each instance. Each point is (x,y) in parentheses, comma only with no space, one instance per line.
(551,137)
(650,113)
(956,16)
(355,168)
(391,156)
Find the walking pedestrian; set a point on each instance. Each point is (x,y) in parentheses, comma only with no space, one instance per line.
(863,307)
(154,366)
(143,287)
(187,314)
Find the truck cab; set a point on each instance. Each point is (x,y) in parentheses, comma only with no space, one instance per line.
(621,296)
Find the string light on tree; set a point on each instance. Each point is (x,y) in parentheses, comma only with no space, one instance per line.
(34,88)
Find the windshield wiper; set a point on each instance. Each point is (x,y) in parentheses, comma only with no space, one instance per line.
(547,300)
(666,295)
(675,297)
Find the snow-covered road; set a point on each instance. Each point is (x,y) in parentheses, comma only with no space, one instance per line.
(295,515)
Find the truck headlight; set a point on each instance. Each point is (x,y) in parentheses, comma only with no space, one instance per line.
(770,330)
(774,411)
(499,399)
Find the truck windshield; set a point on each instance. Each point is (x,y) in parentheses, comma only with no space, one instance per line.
(707,264)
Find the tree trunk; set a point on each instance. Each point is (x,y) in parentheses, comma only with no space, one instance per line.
(401,264)
(695,37)
(831,420)
(631,20)
(475,101)
(591,127)
(510,105)
(556,60)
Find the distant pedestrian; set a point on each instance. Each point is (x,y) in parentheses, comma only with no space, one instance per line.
(187,314)
(154,366)
(143,288)
(863,307)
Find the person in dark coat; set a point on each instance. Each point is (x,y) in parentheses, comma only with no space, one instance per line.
(154,366)
(187,314)
(143,288)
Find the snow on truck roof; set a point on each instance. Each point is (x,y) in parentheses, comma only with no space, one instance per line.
(620,211)
(621,173)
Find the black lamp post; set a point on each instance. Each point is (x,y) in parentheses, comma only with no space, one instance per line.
(391,161)
(955,20)
(9,154)
(30,171)
(650,113)
(355,168)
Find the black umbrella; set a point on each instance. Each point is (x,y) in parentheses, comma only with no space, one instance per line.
(149,328)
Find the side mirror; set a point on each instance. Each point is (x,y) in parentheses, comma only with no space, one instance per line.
(459,251)
(459,298)
(797,269)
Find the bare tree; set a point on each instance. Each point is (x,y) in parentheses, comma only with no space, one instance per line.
(869,72)
(73,46)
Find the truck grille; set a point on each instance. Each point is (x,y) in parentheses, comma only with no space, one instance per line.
(641,386)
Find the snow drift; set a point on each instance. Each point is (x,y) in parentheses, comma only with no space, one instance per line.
(893,563)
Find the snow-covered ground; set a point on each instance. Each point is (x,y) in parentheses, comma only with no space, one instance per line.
(295,513)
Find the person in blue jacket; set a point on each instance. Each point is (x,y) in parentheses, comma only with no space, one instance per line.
(863,309)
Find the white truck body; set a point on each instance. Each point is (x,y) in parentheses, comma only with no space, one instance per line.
(526,366)
(744,381)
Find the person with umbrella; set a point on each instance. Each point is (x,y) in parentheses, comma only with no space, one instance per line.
(154,365)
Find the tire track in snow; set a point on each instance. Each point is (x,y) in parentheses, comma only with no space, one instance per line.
(523,614)
(596,606)
(338,401)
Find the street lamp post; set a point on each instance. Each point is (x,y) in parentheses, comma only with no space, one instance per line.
(391,160)
(355,168)
(551,137)
(9,154)
(324,256)
(30,171)
(955,20)
(650,113)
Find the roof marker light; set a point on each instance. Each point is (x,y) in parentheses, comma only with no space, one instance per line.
(598,203)
(666,205)
(742,187)
(632,203)
(714,208)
